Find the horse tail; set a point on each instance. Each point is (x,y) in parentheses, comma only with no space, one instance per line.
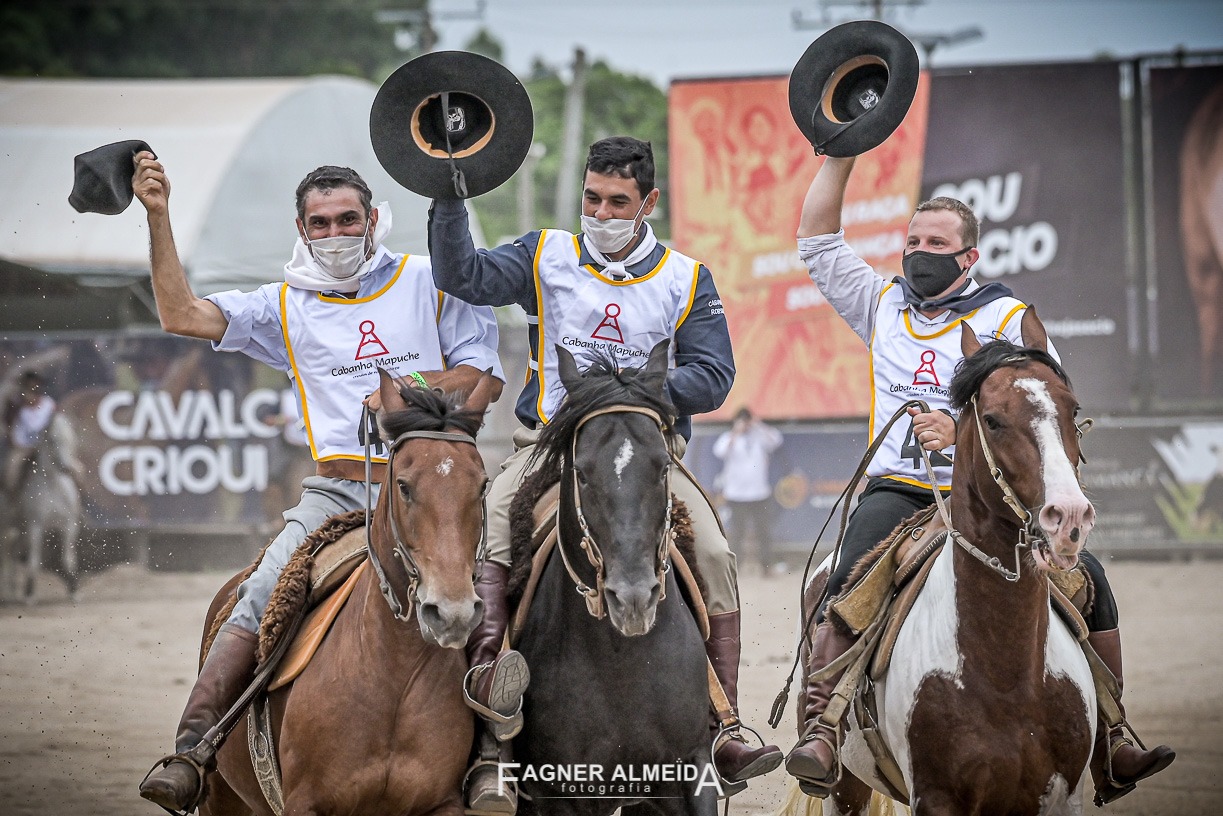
(797,803)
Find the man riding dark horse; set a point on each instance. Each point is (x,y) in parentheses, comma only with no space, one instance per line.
(614,288)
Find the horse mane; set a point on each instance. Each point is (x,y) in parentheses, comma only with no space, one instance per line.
(430,410)
(603,383)
(971,372)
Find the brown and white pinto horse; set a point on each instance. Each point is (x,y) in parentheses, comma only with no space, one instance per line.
(376,722)
(988,705)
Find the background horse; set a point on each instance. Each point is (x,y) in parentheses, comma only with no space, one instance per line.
(989,705)
(628,692)
(376,722)
(49,503)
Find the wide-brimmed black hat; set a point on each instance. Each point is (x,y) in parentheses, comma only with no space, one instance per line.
(451,124)
(102,178)
(853,87)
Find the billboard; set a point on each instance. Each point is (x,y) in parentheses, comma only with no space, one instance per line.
(1044,172)
(739,172)
(172,436)
(1184,125)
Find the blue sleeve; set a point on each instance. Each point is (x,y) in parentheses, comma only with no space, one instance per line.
(468,336)
(485,277)
(704,364)
(253,325)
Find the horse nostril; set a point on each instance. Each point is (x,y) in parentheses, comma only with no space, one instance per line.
(431,615)
(1051,517)
(1074,535)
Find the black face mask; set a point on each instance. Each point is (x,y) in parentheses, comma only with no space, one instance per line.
(930,273)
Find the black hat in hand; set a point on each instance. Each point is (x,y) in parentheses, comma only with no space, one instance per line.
(451,125)
(853,87)
(102,180)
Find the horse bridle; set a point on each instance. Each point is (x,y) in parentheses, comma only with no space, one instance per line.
(1030,533)
(595,602)
(401,550)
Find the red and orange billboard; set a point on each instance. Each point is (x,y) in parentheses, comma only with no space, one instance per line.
(739,172)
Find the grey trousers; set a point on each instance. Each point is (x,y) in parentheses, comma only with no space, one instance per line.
(714,557)
(321,498)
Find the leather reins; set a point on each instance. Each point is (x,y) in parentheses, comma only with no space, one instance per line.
(401,550)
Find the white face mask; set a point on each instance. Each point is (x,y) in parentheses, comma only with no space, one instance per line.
(341,256)
(611,235)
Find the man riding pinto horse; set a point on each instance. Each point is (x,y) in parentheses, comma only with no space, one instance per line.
(907,325)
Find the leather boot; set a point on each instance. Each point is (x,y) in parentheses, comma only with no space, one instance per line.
(496,681)
(485,792)
(734,758)
(815,760)
(178,785)
(1117,765)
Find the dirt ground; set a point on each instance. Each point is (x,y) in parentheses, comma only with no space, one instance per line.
(90,692)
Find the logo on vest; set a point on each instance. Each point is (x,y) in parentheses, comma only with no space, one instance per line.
(370,345)
(609,326)
(926,369)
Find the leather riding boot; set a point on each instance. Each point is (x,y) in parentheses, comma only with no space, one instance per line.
(815,760)
(178,785)
(1117,764)
(485,792)
(734,758)
(496,681)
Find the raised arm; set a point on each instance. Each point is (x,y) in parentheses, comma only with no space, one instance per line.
(179,310)
(821,213)
(496,277)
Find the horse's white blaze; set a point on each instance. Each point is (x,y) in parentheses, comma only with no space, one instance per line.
(1056,470)
(623,457)
(926,645)
(445,466)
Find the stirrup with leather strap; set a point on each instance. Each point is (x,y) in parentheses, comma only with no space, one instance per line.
(197,759)
(818,731)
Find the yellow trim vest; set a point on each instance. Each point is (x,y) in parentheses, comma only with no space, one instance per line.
(336,346)
(588,313)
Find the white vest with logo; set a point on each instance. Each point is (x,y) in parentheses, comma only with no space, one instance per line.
(909,361)
(336,346)
(589,313)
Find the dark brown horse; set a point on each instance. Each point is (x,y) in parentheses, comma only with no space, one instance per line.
(988,705)
(619,691)
(376,722)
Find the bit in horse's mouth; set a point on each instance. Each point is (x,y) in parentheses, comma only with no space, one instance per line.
(1046,558)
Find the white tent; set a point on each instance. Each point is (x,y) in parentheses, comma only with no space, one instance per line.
(234,150)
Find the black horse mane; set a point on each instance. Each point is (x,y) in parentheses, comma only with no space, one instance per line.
(603,383)
(429,410)
(971,372)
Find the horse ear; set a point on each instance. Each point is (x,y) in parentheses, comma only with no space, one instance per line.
(482,394)
(1033,331)
(567,367)
(388,392)
(969,344)
(655,369)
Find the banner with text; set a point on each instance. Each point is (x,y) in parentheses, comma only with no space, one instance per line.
(171,434)
(739,172)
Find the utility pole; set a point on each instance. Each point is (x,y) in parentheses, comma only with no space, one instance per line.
(571,145)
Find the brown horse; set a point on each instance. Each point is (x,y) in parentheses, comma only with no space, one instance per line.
(988,705)
(376,722)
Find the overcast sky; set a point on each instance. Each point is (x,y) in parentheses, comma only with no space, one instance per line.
(676,39)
